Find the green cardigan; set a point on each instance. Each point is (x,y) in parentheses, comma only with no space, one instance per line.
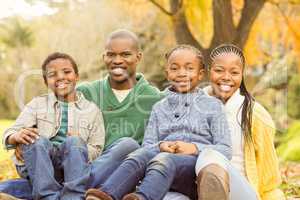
(125,119)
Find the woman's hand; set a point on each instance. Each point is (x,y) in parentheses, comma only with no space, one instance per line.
(24,136)
(185,148)
(167,146)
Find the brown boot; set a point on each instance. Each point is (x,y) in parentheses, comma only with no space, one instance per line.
(4,196)
(132,196)
(213,183)
(97,194)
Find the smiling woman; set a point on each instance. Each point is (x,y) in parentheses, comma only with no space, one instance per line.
(253,169)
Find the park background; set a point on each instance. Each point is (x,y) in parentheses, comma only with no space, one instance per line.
(267,30)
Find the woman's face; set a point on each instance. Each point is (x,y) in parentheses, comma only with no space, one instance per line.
(226,73)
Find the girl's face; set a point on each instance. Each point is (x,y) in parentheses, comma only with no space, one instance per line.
(226,75)
(183,70)
(61,79)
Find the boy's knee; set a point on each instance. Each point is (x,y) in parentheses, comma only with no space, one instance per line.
(74,141)
(41,142)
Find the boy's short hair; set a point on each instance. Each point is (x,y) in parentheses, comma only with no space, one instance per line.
(54,56)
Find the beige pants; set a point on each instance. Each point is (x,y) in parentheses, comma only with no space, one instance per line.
(239,187)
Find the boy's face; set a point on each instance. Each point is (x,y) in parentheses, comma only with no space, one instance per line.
(183,70)
(61,79)
(121,58)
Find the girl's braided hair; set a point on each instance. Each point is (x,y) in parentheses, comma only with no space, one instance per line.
(247,106)
(188,47)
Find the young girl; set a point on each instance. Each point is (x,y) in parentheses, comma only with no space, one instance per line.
(57,134)
(253,170)
(181,125)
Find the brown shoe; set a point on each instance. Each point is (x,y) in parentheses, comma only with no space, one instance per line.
(97,194)
(4,196)
(213,183)
(132,196)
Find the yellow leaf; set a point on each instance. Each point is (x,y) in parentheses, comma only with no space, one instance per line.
(200,20)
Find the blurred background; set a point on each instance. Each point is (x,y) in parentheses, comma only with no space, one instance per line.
(267,30)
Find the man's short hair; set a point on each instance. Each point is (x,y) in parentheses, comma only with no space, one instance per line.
(123,33)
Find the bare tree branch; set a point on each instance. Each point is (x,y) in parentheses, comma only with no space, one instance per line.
(250,11)
(161,8)
(287,21)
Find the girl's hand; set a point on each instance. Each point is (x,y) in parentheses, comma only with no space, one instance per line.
(168,146)
(24,136)
(186,148)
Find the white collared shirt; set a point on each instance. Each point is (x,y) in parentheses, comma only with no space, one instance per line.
(234,117)
(121,94)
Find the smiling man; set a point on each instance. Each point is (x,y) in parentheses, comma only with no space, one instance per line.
(126,100)
(124,96)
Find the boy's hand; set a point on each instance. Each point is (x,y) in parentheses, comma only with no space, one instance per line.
(168,146)
(24,136)
(186,148)
(19,153)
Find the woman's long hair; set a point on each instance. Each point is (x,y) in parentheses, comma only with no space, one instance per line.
(247,106)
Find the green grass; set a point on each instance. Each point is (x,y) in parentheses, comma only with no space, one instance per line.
(7,169)
(289,150)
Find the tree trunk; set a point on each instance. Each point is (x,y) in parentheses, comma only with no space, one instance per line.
(224,29)
(182,33)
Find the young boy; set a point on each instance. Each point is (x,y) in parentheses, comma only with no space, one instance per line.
(57,134)
(183,124)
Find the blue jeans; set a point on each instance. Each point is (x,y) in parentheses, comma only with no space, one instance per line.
(101,169)
(159,173)
(110,160)
(44,162)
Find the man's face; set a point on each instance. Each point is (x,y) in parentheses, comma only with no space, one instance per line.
(121,58)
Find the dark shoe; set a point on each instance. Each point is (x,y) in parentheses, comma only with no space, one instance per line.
(4,196)
(97,194)
(132,196)
(213,183)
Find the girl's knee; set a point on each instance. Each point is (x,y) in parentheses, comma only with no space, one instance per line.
(162,161)
(142,156)
(209,157)
(213,180)
(216,170)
